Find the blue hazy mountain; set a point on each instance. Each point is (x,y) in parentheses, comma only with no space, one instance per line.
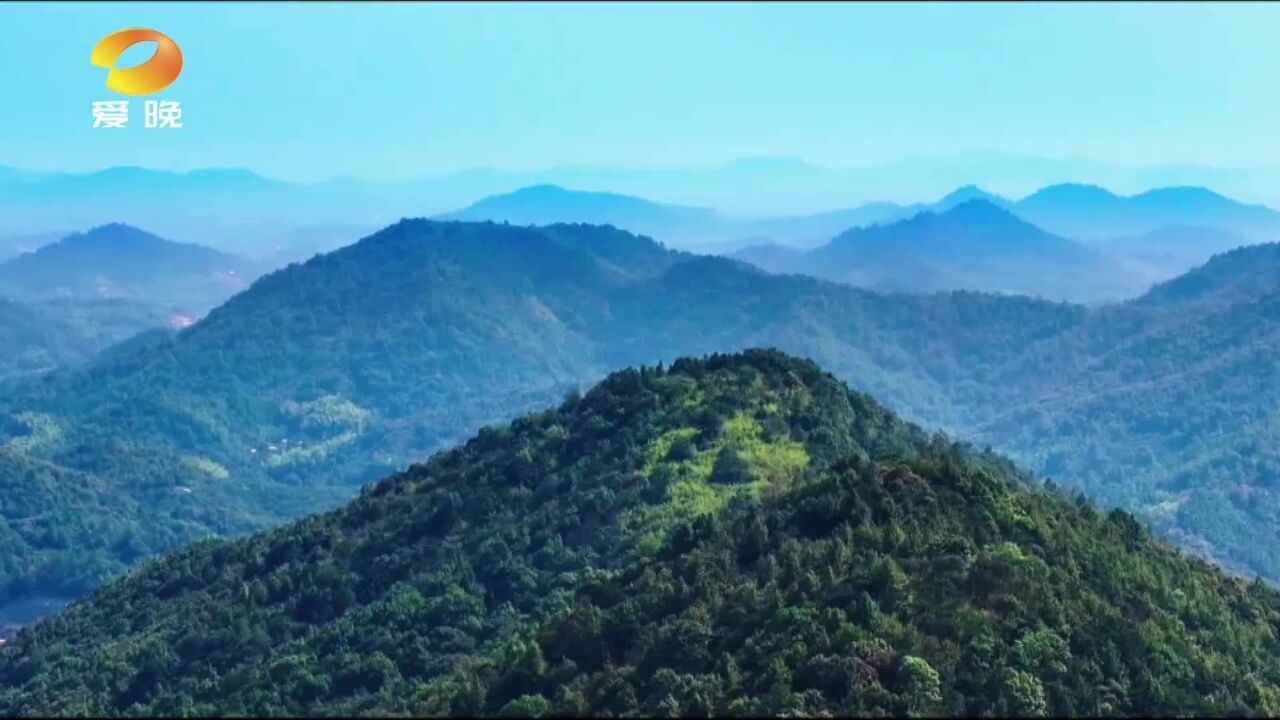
(776,235)
(695,227)
(15,244)
(678,225)
(550,204)
(1091,212)
(1170,250)
(751,202)
(121,261)
(972,245)
(966,193)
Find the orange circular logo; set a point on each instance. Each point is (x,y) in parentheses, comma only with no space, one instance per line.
(156,74)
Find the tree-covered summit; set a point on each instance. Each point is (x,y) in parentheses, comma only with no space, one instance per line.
(738,534)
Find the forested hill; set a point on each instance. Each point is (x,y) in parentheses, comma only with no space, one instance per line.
(340,370)
(973,244)
(41,336)
(738,534)
(320,377)
(121,261)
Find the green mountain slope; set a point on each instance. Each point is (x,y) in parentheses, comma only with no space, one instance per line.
(1167,406)
(348,367)
(41,336)
(739,534)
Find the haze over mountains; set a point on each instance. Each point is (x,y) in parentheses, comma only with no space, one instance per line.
(970,245)
(765,200)
(119,261)
(334,372)
(69,299)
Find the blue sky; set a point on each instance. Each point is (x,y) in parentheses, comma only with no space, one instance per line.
(398,90)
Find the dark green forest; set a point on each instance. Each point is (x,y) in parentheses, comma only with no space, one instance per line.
(40,336)
(333,373)
(740,534)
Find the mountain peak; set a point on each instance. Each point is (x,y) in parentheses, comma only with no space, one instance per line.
(648,545)
(966,193)
(543,189)
(114,232)
(121,260)
(980,209)
(1070,192)
(1184,197)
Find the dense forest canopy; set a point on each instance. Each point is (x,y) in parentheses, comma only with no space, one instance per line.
(738,534)
(332,373)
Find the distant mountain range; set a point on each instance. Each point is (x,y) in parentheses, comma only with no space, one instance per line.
(970,245)
(119,261)
(692,227)
(333,372)
(1177,229)
(746,202)
(1089,212)
(551,204)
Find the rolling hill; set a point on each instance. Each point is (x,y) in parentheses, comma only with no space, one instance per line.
(789,234)
(119,261)
(334,372)
(972,245)
(740,534)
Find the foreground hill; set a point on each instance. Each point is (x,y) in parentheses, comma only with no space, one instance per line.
(119,261)
(740,534)
(343,369)
(971,245)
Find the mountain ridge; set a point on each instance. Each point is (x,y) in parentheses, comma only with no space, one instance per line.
(971,245)
(371,357)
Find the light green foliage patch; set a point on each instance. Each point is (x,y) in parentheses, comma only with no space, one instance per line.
(327,411)
(42,430)
(310,453)
(209,467)
(691,493)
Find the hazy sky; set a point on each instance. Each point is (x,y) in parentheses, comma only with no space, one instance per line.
(395,90)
